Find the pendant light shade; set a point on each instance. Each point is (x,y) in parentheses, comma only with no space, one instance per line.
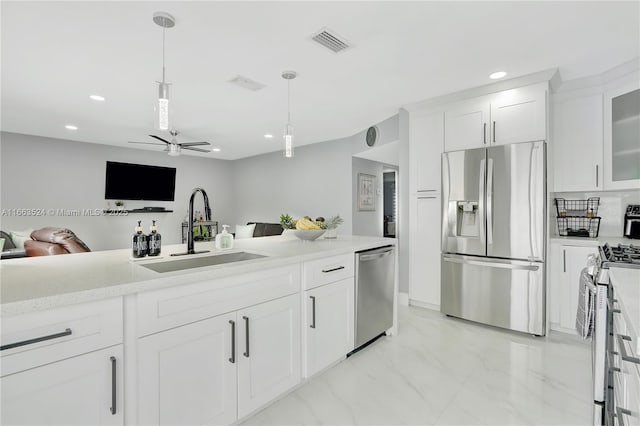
(288,128)
(161,115)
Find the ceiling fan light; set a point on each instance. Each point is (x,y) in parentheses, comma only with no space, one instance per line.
(174,150)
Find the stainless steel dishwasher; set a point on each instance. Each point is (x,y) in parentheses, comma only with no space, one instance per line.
(375,273)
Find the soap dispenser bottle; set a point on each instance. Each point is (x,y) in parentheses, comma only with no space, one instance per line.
(224,240)
(139,242)
(154,240)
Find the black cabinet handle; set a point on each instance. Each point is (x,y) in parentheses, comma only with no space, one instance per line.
(232,360)
(113,385)
(67,332)
(246,337)
(494,132)
(332,269)
(313,311)
(484,134)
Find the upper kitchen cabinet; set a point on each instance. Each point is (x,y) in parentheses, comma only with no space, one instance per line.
(510,116)
(426,142)
(465,124)
(577,144)
(622,137)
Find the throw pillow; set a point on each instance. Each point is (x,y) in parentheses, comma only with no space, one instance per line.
(19,237)
(245,231)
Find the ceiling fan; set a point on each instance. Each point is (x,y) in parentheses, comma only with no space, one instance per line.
(174,147)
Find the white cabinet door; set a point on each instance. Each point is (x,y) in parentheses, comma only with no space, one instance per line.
(74,391)
(329,328)
(186,374)
(466,125)
(426,143)
(519,115)
(574,259)
(622,137)
(269,346)
(425,243)
(577,144)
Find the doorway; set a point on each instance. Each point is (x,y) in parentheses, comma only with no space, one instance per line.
(390,210)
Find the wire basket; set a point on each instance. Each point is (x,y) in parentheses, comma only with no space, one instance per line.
(587,227)
(583,208)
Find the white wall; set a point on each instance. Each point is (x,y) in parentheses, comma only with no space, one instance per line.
(368,223)
(45,173)
(403,202)
(316,182)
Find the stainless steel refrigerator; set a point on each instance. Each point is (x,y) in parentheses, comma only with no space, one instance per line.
(493,236)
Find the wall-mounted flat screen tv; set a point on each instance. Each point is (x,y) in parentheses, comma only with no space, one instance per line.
(126,181)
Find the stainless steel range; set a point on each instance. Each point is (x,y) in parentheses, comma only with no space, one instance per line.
(620,256)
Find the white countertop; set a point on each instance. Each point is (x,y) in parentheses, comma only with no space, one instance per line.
(587,242)
(38,283)
(626,285)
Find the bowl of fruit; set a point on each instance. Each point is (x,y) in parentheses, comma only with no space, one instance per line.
(308,229)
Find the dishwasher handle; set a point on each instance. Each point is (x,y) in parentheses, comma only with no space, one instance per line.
(378,255)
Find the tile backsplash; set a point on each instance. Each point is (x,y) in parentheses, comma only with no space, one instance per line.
(612,207)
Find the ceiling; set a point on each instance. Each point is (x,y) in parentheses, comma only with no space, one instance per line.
(56,54)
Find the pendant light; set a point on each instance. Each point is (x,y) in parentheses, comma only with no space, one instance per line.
(161,116)
(288,129)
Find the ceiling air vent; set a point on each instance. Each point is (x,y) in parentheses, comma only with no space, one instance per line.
(247,83)
(332,41)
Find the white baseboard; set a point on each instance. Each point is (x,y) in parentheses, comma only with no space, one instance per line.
(425,305)
(403,299)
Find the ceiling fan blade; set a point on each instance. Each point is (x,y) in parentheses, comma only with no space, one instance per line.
(195,149)
(147,143)
(194,143)
(160,139)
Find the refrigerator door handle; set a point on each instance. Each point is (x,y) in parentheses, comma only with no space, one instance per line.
(481,188)
(490,201)
(491,264)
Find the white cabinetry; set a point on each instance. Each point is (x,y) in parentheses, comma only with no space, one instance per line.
(269,352)
(622,137)
(424,281)
(425,151)
(64,366)
(329,324)
(83,390)
(187,375)
(566,263)
(577,144)
(510,116)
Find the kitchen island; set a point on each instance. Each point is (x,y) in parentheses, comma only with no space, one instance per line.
(210,344)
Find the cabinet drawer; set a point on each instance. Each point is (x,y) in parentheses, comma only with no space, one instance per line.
(168,308)
(38,338)
(327,270)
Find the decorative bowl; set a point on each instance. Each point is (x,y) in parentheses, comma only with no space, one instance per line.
(309,235)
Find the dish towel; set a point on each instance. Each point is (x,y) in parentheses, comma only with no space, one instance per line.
(586,305)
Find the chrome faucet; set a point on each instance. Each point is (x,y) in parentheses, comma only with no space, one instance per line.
(207,216)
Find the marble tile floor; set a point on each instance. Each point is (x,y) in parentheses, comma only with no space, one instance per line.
(445,371)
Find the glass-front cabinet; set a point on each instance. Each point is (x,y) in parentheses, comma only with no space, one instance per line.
(622,137)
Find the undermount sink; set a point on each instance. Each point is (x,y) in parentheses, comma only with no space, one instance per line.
(199,262)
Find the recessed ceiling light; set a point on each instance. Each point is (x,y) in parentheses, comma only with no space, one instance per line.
(498,74)
(97,98)
(71,127)
(215,149)
(268,136)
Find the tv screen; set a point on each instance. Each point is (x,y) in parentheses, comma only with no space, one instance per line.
(126,181)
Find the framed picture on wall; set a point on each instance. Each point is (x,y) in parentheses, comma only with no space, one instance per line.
(366,192)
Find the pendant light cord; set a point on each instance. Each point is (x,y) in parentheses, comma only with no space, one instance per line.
(289,102)
(163,33)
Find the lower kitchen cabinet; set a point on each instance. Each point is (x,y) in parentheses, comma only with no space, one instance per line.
(269,351)
(217,370)
(329,324)
(82,390)
(566,263)
(425,241)
(187,375)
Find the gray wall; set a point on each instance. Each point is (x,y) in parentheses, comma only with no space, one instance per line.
(316,182)
(45,173)
(368,223)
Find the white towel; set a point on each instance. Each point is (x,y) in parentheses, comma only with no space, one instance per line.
(586,305)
